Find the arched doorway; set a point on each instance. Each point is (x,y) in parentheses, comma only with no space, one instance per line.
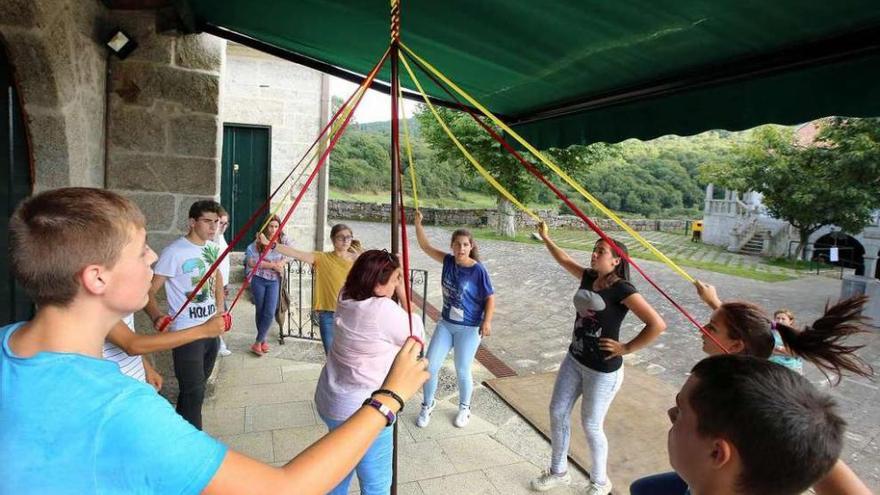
(16,183)
(850,252)
(877,270)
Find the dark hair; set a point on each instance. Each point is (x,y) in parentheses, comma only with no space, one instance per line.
(749,324)
(621,271)
(273,218)
(475,252)
(820,343)
(204,206)
(57,233)
(339,227)
(769,413)
(371,268)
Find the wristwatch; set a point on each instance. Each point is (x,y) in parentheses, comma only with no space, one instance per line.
(383,409)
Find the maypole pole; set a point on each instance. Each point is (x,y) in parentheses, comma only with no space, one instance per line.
(395,175)
(395,125)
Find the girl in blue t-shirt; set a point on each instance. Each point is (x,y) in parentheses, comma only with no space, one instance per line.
(468,305)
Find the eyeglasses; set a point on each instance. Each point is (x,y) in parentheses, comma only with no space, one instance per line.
(343,238)
(223,224)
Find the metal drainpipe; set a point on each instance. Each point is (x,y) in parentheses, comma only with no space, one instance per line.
(324,174)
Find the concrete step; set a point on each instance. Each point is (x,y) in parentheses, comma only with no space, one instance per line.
(750,252)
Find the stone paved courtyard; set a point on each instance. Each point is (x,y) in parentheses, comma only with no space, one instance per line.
(534,312)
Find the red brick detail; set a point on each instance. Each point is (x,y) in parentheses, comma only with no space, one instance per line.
(484,356)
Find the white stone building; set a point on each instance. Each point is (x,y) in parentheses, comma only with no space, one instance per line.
(740,223)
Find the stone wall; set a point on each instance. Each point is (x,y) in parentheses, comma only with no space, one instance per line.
(350,210)
(164,142)
(259,89)
(60,67)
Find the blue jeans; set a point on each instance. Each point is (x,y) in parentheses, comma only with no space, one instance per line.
(266,300)
(325,326)
(374,469)
(465,341)
(659,484)
(598,389)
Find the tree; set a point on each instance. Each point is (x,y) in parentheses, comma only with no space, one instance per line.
(827,182)
(488,152)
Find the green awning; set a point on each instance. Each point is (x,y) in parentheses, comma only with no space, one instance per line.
(580,71)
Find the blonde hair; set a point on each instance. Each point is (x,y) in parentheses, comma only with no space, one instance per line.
(784,311)
(56,234)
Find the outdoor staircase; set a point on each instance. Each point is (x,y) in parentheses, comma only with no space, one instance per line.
(755,245)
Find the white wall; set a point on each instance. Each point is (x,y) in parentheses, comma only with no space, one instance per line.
(260,89)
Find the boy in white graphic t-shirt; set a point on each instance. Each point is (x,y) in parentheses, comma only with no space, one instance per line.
(180,268)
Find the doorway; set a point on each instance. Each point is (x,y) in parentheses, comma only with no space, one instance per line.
(16,184)
(245,177)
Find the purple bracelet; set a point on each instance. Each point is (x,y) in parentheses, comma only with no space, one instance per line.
(383,409)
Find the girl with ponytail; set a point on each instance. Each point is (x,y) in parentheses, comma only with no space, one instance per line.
(744,328)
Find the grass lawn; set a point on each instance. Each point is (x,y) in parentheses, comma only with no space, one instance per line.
(468,199)
(583,241)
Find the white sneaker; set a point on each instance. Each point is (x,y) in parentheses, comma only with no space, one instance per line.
(425,415)
(223,351)
(463,417)
(596,489)
(548,481)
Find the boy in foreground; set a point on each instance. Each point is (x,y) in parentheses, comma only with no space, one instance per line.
(71,423)
(743,425)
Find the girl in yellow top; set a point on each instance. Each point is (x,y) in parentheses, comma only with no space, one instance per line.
(330,270)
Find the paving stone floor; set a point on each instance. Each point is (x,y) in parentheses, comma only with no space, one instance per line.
(264,407)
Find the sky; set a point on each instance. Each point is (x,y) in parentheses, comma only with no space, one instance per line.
(375,107)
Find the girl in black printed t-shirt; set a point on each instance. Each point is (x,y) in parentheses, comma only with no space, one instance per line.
(593,366)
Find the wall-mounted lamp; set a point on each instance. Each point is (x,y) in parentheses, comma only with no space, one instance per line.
(121,43)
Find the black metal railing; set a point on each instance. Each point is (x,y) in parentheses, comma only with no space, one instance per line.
(821,259)
(301,322)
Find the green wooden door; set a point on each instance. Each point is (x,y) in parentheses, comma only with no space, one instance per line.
(245,177)
(15,185)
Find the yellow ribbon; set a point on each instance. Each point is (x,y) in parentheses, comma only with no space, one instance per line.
(491,180)
(409,154)
(595,202)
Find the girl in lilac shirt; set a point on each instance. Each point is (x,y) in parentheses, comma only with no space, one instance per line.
(266,282)
(370,330)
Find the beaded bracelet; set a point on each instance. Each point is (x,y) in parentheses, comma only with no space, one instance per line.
(389,393)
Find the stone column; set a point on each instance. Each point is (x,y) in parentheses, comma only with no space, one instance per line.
(710,193)
(60,65)
(870,266)
(808,251)
(164,141)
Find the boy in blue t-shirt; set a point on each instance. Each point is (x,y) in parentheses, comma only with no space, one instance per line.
(72,423)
